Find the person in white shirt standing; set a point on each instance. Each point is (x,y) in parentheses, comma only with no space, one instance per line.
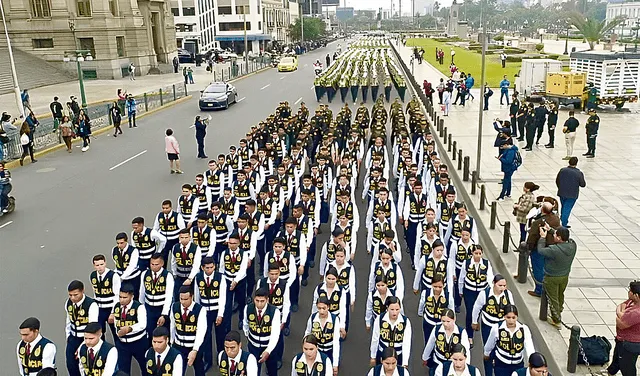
(34,351)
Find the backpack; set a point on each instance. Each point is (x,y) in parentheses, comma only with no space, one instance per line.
(517,159)
(489,93)
(596,349)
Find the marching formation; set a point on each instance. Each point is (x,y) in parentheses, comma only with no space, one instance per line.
(242,240)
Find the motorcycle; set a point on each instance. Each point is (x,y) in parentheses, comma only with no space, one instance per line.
(317,68)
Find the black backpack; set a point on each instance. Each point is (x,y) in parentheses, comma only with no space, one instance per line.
(596,349)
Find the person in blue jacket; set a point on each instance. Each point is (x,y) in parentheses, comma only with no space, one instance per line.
(469,82)
(510,163)
(131,111)
(504,89)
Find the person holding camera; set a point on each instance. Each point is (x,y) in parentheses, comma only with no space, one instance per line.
(546,218)
(558,258)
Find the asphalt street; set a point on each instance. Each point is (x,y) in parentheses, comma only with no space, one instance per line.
(71,206)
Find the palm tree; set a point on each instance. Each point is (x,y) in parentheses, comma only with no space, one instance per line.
(592,29)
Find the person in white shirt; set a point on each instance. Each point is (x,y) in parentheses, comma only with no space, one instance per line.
(444,336)
(156,293)
(34,351)
(96,357)
(130,320)
(126,258)
(311,361)
(391,325)
(106,287)
(161,356)
(148,241)
(389,366)
(80,311)
(234,359)
(186,258)
(188,330)
(458,366)
(509,354)
(325,326)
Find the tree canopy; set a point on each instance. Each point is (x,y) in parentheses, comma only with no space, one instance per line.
(592,29)
(314,29)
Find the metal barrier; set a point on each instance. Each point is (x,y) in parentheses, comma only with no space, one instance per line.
(474,182)
(506,236)
(455,150)
(483,197)
(465,170)
(574,349)
(523,262)
(494,215)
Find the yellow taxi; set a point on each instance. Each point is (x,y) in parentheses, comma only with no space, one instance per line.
(288,64)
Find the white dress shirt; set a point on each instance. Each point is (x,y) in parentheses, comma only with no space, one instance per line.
(48,355)
(168,296)
(197,260)
(274,337)
(177,362)
(406,342)
(252,364)
(328,365)
(110,363)
(138,327)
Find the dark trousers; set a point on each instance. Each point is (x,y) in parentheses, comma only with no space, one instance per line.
(103,316)
(271,363)
(207,347)
(132,119)
(217,253)
(486,103)
(167,249)
(426,330)
(126,351)
(591,144)
(239,296)
(514,126)
(324,212)
(27,150)
(135,282)
(86,140)
(200,141)
(530,135)
(485,330)
(411,238)
(537,264)
(625,356)
(198,364)
(523,232)
(143,264)
(294,291)
(505,94)
(261,254)
(153,314)
(73,368)
(506,184)
(552,134)
(251,279)
(502,369)
(440,93)
(566,205)
(540,130)
(177,283)
(521,123)
(469,300)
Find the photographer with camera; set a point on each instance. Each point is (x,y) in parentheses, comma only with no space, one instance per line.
(546,218)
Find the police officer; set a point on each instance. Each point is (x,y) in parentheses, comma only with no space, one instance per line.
(202,193)
(261,326)
(233,266)
(444,336)
(202,235)
(530,127)
(81,310)
(156,293)
(248,244)
(243,191)
(161,358)
(434,300)
(510,340)
(279,298)
(34,351)
(125,257)
(414,215)
(106,286)
(391,329)
(540,117)
(130,320)
(215,181)
(147,241)
(188,330)
(473,279)
(458,365)
(325,326)
(552,122)
(230,204)
(95,356)
(513,113)
(336,295)
(592,126)
(296,245)
(311,361)
(211,293)
(376,301)
(222,224)
(168,223)
(233,360)
(391,270)
(185,262)
(189,205)
(460,252)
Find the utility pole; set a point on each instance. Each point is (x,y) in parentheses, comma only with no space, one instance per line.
(301,15)
(246,43)
(482,83)
(16,87)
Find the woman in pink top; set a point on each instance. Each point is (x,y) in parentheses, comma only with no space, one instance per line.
(172,148)
(625,354)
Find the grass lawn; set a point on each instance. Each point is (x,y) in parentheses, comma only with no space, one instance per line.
(467,61)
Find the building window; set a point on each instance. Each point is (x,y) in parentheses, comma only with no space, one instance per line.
(224,10)
(87,44)
(40,9)
(42,43)
(113,7)
(84,8)
(184,28)
(234,26)
(191,11)
(242,9)
(175,12)
(259,25)
(120,46)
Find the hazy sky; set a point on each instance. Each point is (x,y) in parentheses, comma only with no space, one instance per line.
(375,4)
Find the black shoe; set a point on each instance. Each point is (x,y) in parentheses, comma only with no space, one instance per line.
(585,154)
(312,264)
(34,160)
(520,139)
(591,156)
(22,162)
(528,149)
(304,282)
(549,146)
(294,308)
(567,226)
(286,332)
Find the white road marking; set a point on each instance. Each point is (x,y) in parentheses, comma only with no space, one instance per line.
(306,65)
(298,101)
(241,99)
(265,86)
(6,224)
(127,160)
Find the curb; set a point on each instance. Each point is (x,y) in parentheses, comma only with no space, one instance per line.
(16,163)
(498,263)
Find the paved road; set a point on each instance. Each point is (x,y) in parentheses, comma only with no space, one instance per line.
(71,206)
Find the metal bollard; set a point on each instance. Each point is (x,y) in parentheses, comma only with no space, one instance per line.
(465,170)
(455,150)
(460,160)
(474,181)
(440,128)
(544,306)
(494,215)
(523,262)
(483,197)
(506,236)
(446,133)
(574,349)
(441,121)
(449,140)
(146,104)
(186,92)
(161,100)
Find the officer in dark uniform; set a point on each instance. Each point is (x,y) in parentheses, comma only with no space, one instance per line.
(168,223)
(130,320)
(222,225)
(593,124)
(530,127)
(94,356)
(233,360)
(34,351)
(279,298)
(106,287)
(325,326)
(161,358)
(391,329)
(156,293)
(188,329)
(126,258)
(552,121)
(201,236)
(81,310)
(521,118)
(513,112)
(262,328)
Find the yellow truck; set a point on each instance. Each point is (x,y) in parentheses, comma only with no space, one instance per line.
(565,88)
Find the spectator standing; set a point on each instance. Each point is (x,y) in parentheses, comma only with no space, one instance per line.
(184,74)
(83,124)
(428,90)
(558,258)
(328,60)
(503,59)
(625,353)
(546,217)
(504,89)
(552,121)
(524,206)
(453,55)
(74,106)
(593,125)
(27,144)
(26,102)
(131,111)
(190,75)
(509,165)
(122,99)
(172,148)
(569,181)
(469,82)
(487,94)
(176,64)
(132,72)
(116,118)
(66,130)
(56,111)
(446,102)
(440,89)
(7,129)
(569,130)
(540,118)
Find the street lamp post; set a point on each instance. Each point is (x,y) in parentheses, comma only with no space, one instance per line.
(80,57)
(16,87)
(246,43)
(636,28)
(482,84)
(566,41)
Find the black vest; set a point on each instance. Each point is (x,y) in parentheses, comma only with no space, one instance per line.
(95,367)
(166,368)
(32,363)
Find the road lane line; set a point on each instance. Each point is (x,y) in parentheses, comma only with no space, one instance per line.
(283,77)
(306,65)
(298,101)
(241,99)
(265,86)
(127,160)
(6,224)
(313,87)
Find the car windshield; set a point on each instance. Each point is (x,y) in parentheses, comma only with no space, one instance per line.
(288,60)
(216,89)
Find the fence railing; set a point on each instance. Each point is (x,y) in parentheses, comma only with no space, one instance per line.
(237,69)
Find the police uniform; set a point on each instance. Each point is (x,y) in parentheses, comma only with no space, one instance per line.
(167,363)
(415,210)
(279,298)
(36,355)
(444,215)
(510,347)
(189,207)
(472,280)
(376,306)
(235,164)
(459,252)
(375,233)
(431,308)
(156,293)
(327,333)
(243,364)
(106,290)
(126,262)
(231,207)
(424,245)
(243,192)
(328,254)
(100,360)
(188,330)
(185,264)
(133,344)
(215,185)
(395,279)
(297,246)
(446,369)
(169,226)
(256,224)
(233,266)
(337,301)
(262,329)
(396,335)
(203,194)
(211,294)
(147,242)
(395,255)
(321,366)
(202,237)
(592,127)
(222,224)
(440,346)
(77,318)
(248,245)
(388,206)
(438,193)
(455,230)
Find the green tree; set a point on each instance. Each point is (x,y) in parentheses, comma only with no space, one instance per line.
(314,29)
(592,29)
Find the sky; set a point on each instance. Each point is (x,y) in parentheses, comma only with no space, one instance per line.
(375,4)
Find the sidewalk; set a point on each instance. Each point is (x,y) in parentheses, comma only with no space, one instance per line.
(605,220)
